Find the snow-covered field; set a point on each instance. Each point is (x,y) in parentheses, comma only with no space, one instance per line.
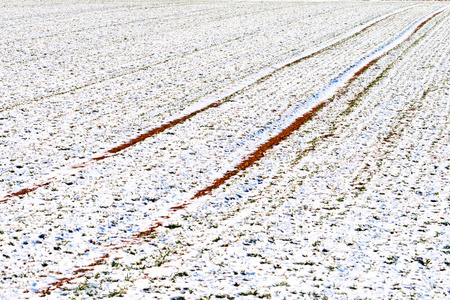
(224,149)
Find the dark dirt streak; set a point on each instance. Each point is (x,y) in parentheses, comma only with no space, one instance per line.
(148,231)
(156,131)
(261,151)
(102,260)
(26,191)
(83,270)
(77,274)
(178,207)
(58,284)
(99,261)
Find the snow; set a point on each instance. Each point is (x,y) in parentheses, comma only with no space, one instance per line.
(353,204)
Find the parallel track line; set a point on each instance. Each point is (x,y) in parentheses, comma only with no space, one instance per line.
(214,100)
(318,101)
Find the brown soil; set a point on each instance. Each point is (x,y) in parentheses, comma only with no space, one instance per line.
(77,274)
(25,191)
(148,231)
(260,152)
(157,130)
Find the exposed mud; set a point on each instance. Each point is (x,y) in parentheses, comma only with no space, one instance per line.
(149,231)
(78,274)
(26,191)
(82,270)
(260,152)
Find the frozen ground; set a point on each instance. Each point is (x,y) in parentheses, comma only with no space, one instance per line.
(225,149)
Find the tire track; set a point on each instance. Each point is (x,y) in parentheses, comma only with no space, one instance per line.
(213,100)
(316,103)
(319,100)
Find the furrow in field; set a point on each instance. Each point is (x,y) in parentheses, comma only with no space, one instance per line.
(155,28)
(36,13)
(33,32)
(15,24)
(148,51)
(80,12)
(368,59)
(374,161)
(216,98)
(158,44)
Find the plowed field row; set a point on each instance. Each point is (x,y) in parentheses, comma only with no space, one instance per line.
(150,45)
(300,152)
